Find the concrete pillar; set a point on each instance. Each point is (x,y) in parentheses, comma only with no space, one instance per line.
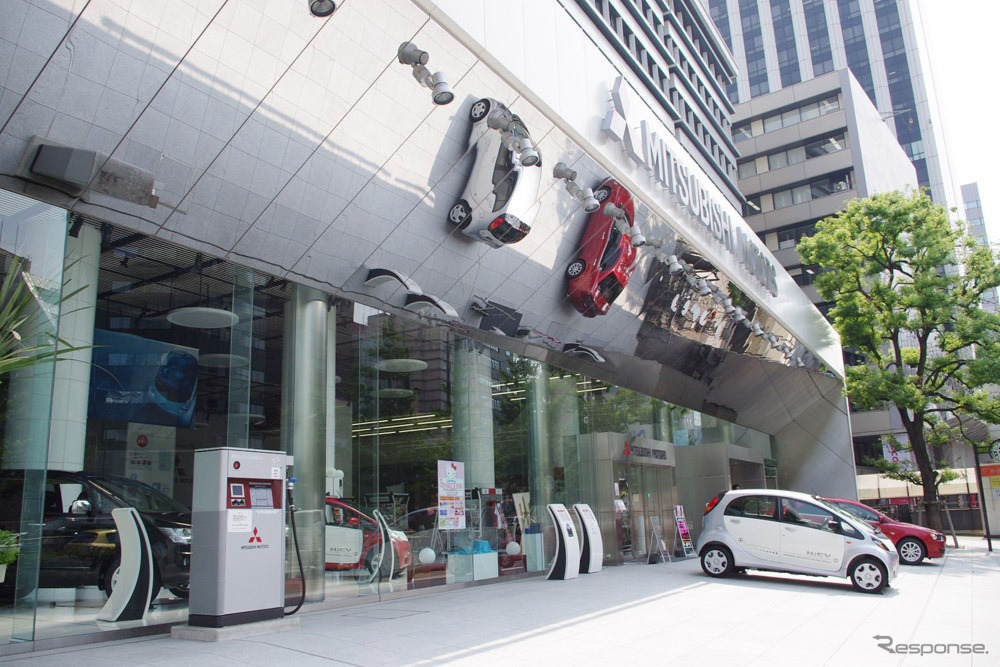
(540,478)
(304,425)
(472,414)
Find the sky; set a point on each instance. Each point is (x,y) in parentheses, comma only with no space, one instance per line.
(962,42)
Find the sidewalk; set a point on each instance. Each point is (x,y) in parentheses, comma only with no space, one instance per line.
(664,614)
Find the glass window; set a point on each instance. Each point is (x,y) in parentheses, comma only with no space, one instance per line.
(786,239)
(748,169)
(759,507)
(777,161)
(796,155)
(829,105)
(790,118)
(772,123)
(610,287)
(808,515)
(782,199)
(823,188)
(860,512)
(810,111)
(801,194)
(752,206)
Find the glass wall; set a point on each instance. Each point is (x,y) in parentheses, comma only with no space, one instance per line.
(423,458)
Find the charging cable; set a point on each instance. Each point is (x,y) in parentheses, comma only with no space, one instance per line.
(295,539)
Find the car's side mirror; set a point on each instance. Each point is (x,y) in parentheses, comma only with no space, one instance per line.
(80,507)
(833,525)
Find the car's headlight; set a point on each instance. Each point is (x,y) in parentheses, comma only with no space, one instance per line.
(877,540)
(938,537)
(182,535)
(398,536)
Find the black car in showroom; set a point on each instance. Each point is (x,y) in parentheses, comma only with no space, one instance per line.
(79,541)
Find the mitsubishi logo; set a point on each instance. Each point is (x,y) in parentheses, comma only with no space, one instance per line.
(616,122)
(255,537)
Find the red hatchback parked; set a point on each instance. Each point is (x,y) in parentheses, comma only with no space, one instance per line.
(607,258)
(913,542)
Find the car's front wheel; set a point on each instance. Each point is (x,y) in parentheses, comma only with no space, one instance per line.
(602,193)
(911,551)
(479,110)
(575,269)
(114,571)
(868,575)
(717,561)
(459,214)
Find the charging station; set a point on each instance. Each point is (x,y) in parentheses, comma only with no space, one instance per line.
(237,537)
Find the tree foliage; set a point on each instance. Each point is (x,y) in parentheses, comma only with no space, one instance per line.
(907,285)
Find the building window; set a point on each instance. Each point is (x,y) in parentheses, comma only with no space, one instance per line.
(784,37)
(753,47)
(819,37)
(748,169)
(823,187)
(855,45)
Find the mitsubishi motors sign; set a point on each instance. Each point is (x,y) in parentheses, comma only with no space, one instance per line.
(650,145)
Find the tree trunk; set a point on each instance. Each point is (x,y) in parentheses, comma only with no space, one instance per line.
(915,431)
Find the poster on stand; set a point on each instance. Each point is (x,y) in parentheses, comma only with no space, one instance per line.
(451,495)
(682,531)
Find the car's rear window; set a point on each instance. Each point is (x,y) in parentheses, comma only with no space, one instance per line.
(610,287)
(760,507)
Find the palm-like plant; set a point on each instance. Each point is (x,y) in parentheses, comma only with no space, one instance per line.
(19,323)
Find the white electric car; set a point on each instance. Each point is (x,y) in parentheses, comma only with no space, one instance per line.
(765,529)
(500,199)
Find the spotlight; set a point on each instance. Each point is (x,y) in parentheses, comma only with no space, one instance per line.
(529,156)
(738,315)
(638,240)
(757,329)
(703,288)
(322,8)
(675,266)
(563,172)
(409,54)
(586,195)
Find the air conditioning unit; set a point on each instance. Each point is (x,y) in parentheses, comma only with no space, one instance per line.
(839,187)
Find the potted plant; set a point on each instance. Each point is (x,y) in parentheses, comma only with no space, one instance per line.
(8,551)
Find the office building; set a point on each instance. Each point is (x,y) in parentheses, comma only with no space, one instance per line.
(804,151)
(778,43)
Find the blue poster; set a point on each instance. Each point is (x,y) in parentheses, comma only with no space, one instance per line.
(135,379)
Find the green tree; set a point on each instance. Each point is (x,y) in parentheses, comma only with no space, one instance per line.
(931,351)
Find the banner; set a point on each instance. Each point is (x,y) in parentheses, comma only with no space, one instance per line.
(451,495)
(134,379)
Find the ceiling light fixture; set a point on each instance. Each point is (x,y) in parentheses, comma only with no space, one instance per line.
(322,8)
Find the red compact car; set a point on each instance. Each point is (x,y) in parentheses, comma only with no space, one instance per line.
(607,258)
(913,542)
(354,542)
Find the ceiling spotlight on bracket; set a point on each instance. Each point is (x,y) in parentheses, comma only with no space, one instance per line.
(409,54)
(322,8)
(426,304)
(584,351)
(502,120)
(703,288)
(378,277)
(586,195)
(675,266)
(758,330)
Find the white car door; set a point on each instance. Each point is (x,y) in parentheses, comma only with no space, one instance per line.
(752,523)
(809,537)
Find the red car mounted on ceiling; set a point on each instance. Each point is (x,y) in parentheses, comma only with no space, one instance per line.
(607,256)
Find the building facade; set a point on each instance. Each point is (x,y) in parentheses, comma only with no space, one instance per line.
(778,43)
(807,149)
(252,227)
